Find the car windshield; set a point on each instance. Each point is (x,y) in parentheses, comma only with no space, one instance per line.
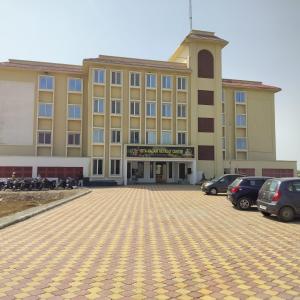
(270,185)
(237,182)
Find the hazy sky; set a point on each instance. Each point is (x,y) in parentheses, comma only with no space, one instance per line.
(263,35)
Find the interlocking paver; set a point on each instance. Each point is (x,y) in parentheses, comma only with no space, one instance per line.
(150,242)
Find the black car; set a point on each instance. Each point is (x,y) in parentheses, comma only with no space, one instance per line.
(220,184)
(280,197)
(243,192)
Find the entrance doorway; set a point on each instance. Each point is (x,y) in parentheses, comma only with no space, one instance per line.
(182,171)
(161,172)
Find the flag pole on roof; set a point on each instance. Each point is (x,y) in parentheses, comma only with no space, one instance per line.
(191,15)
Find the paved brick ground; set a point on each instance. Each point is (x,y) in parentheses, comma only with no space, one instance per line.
(153,242)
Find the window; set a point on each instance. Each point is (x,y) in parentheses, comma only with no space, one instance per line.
(241,120)
(115,136)
(166,82)
(46,82)
(240,97)
(151,109)
(151,169)
(45,110)
(205,64)
(294,186)
(223,143)
(166,110)
(206,152)
(74,111)
(116,77)
(181,110)
(115,106)
(166,138)
(135,108)
(97,166)
(135,79)
(98,136)
(98,105)
(223,119)
(182,83)
(241,143)
(181,138)
(205,97)
(75,85)
(170,169)
(206,125)
(73,138)
(151,137)
(151,81)
(223,96)
(115,167)
(134,137)
(44,137)
(99,76)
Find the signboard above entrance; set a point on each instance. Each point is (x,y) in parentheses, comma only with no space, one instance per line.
(160,151)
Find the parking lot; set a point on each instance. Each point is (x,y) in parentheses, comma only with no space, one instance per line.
(150,242)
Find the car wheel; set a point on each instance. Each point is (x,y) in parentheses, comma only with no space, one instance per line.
(286,214)
(243,204)
(266,214)
(213,191)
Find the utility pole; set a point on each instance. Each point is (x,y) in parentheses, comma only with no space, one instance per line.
(191,15)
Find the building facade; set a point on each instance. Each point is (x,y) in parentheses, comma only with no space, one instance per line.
(136,120)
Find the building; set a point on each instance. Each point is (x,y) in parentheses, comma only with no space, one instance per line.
(128,120)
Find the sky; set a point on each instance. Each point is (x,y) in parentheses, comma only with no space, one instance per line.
(263,35)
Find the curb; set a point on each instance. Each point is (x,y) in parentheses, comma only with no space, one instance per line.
(31,212)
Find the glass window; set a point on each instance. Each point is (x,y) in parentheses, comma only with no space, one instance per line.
(115,167)
(75,85)
(46,82)
(166,82)
(181,110)
(73,138)
(151,109)
(240,97)
(223,143)
(116,77)
(135,79)
(182,83)
(44,137)
(151,137)
(74,111)
(181,138)
(115,106)
(166,110)
(45,110)
(166,137)
(98,105)
(97,166)
(134,137)
(151,80)
(115,136)
(151,169)
(99,76)
(98,135)
(223,119)
(241,143)
(241,120)
(135,108)
(170,169)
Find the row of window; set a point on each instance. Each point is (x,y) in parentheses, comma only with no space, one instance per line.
(151,139)
(45,138)
(46,83)
(46,111)
(240,143)
(74,110)
(115,167)
(136,111)
(135,80)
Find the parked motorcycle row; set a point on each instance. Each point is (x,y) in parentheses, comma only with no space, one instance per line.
(37,184)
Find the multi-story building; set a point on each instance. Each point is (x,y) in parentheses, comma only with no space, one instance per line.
(128,120)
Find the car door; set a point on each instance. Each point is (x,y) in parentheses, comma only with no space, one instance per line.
(223,184)
(293,194)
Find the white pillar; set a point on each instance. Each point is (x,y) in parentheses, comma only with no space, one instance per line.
(125,171)
(194,172)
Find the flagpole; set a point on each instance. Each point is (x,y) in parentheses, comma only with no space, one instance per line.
(191,15)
